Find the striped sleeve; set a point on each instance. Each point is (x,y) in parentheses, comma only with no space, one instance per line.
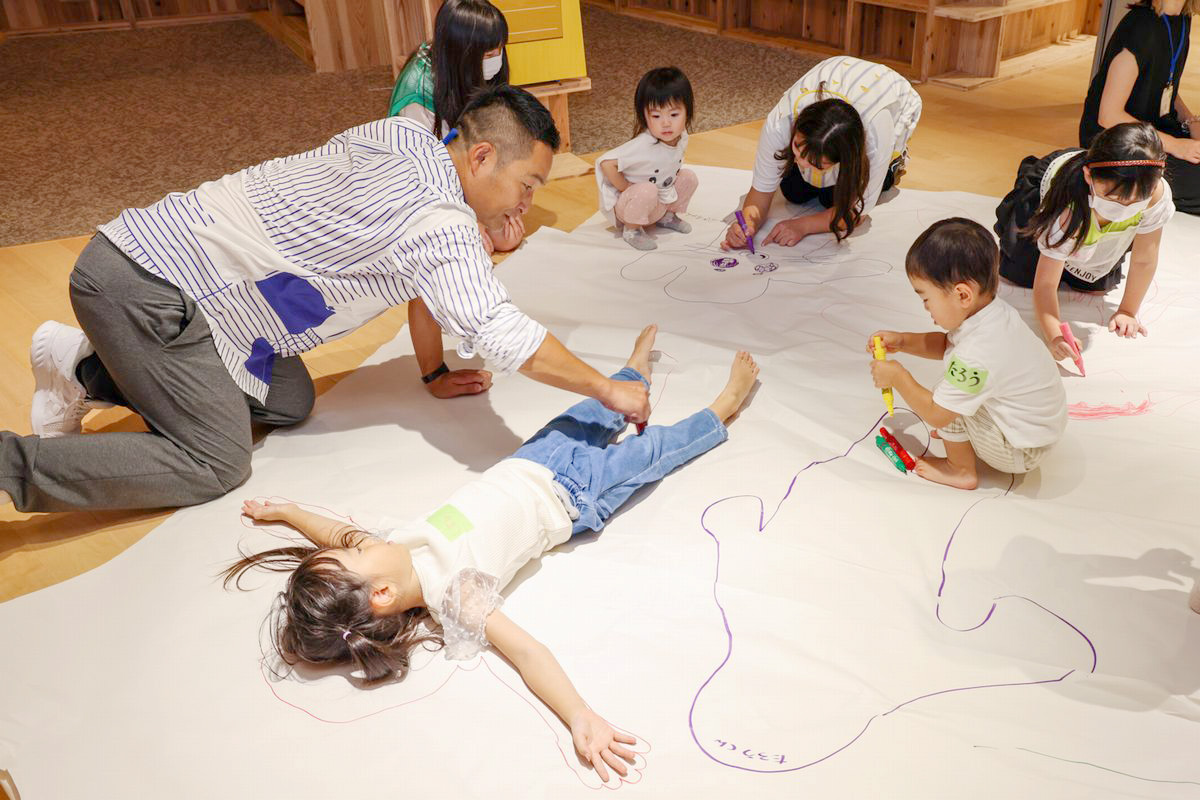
(454,276)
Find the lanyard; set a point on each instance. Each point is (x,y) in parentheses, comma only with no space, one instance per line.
(1171,45)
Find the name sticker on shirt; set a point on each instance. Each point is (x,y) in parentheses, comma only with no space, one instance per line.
(968,379)
(450,522)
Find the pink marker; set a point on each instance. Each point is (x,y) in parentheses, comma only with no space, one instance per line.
(1074,345)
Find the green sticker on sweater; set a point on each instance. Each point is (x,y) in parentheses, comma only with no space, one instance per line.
(969,379)
(450,522)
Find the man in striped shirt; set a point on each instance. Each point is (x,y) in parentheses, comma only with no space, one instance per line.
(195,310)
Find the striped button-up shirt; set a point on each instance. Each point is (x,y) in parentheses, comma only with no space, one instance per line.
(299,250)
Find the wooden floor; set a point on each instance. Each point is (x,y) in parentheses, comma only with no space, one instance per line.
(970,141)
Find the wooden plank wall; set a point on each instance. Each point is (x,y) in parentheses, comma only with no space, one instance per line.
(820,21)
(348,34)
(37,15)
(146,9)
(1039,27)
(409,23)
(21,15)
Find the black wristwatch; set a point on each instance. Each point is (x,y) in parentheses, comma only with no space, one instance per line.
(441,370)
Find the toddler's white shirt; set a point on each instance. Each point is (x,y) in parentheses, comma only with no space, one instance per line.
(643,159)
(993,359)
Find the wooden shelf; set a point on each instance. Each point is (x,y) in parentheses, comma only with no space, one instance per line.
(918,6)
(972,12)
(21,17)
(689,21)
(1020,65)
(964,43)
(786,42)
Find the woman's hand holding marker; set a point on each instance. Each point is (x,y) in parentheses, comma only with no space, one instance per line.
(735,237)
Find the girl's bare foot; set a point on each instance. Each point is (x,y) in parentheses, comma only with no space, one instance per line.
(940,470)
(742,374)
(639,359)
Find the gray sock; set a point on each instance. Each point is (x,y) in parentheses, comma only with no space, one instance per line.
(672,222)
(638,239)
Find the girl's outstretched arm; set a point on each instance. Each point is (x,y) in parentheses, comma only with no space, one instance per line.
(594,738)
(321,531)
(1142,266)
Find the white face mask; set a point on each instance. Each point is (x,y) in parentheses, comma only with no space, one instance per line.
(1114,211)
(491,66)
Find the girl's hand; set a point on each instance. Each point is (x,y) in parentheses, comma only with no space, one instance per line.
(1126,325)
(787,232)
(886,373)
(893,342)
(598,744)
(1060,350)
(266,511)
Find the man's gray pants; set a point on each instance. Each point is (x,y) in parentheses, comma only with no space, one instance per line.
(155,355)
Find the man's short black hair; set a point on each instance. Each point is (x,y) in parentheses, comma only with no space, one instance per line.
(511,119)
(955,250)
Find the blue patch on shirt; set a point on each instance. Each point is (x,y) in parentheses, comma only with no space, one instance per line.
(261,360)
(298,305)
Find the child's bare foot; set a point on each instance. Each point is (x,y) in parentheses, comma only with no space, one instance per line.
(742,374)
(639,359)
(940,470)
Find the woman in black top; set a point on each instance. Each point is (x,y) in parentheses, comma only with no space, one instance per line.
(1138,81)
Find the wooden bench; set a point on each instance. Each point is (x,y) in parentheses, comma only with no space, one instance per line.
(960,43)
(973,40)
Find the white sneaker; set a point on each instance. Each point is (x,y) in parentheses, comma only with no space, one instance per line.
(59,400)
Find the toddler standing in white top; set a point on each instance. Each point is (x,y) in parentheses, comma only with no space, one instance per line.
(641,182)
(1000,397)
(364,600)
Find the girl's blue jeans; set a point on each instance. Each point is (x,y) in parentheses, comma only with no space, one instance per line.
(600,476)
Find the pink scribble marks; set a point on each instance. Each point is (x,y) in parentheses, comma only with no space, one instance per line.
(1108,411)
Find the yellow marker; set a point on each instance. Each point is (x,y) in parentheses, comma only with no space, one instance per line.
(881,355)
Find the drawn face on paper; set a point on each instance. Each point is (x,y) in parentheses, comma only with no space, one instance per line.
(703,273)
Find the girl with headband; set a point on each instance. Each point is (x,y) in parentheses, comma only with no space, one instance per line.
(1074,214)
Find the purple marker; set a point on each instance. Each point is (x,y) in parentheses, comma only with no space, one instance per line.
(742,222)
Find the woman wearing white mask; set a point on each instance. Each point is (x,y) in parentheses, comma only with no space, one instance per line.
(1074,214)
(467,52)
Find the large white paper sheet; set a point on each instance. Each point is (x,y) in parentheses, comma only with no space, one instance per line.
(787,616)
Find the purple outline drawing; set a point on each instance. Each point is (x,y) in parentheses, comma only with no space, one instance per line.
(693,275)
(764,522)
